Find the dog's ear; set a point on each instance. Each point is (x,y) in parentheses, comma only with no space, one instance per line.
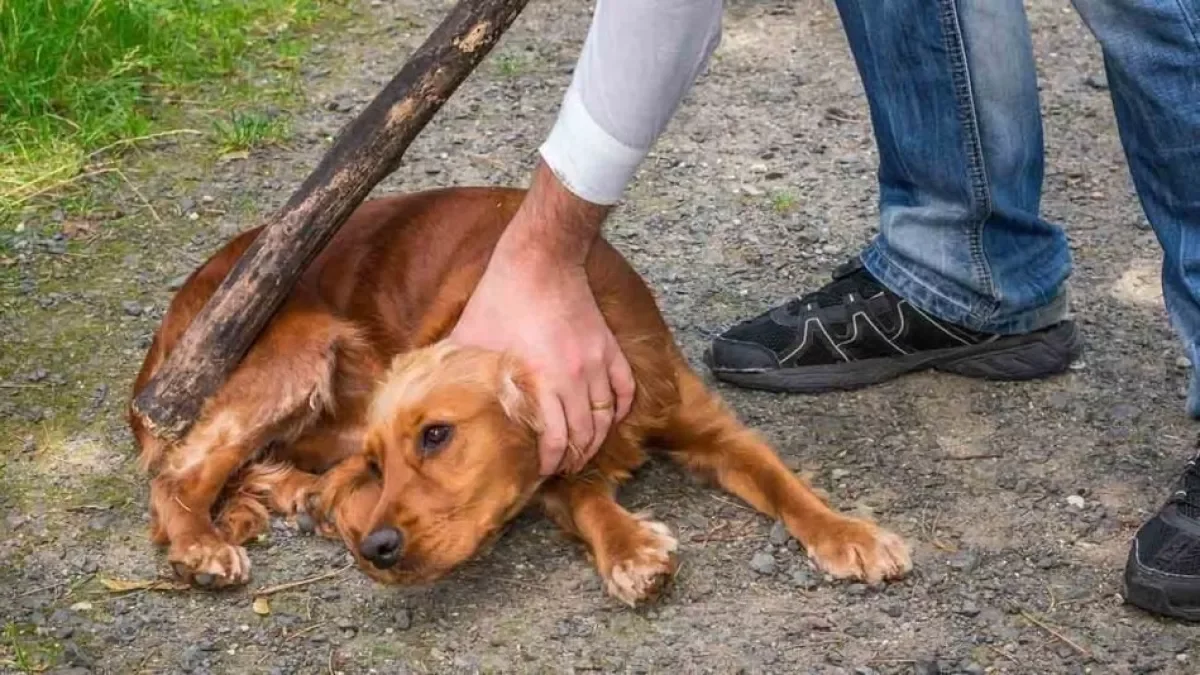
(515,391)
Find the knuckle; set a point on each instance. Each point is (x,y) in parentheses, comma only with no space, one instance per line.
(597,352)
(575,367)
(625,377)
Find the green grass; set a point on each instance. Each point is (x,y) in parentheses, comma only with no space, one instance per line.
(783,202)
(511,65)
(78,76)
(22,650)
(247,130)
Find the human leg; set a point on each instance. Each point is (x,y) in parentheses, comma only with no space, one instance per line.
(963,274)
(1151,54)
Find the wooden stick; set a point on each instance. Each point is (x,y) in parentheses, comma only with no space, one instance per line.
(297,584)
(366,151)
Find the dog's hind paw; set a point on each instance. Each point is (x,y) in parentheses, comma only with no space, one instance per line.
(856,549)
(643,571)
(210,562)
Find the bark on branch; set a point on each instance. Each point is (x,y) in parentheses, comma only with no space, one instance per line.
(367,151)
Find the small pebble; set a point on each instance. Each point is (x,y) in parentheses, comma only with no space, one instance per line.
(838,474)
(815,623)
(926,668)
(779,534)
(802,578)
(858,630)
(403,619)
(1076,501)
(963,560)
(75,656)
(969,609)
(131,308)
(305,523)
(763,563)
(1125,412)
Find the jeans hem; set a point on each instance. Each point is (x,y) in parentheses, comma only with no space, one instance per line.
(926,296)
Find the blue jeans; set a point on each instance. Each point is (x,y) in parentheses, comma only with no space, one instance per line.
(954,103)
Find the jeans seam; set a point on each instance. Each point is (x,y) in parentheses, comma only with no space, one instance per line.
(1189,20)
(977,172)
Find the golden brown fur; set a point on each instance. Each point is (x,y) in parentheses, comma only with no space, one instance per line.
(332,412)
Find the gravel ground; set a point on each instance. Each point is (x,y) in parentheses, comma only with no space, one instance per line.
(1018,498)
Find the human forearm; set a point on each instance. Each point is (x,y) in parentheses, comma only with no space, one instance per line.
(554,226)
(638,62)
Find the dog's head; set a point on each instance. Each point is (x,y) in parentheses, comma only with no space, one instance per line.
(450,456)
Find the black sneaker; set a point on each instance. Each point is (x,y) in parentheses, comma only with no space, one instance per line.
(853,332)
(1162,573)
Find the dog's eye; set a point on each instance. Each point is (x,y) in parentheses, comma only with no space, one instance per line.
(434,437)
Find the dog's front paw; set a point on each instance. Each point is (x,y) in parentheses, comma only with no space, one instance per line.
(641,569)
(210,562)
(312,517)
(850,548)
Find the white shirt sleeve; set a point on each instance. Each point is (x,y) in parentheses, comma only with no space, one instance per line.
(639,60)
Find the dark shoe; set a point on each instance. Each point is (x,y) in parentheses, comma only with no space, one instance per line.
(1162,573)
(853,332)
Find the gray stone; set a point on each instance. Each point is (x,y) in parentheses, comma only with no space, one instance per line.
(763,563)
(779,534)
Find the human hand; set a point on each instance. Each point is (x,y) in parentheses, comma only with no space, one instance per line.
(534,301)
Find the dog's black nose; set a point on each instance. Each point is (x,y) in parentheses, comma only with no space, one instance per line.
(382,547)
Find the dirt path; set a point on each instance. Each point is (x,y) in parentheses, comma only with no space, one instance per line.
(773,146)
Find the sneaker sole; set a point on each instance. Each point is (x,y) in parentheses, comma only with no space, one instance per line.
(1015,358)
(1149,590)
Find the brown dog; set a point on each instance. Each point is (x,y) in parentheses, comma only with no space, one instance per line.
(350,407)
